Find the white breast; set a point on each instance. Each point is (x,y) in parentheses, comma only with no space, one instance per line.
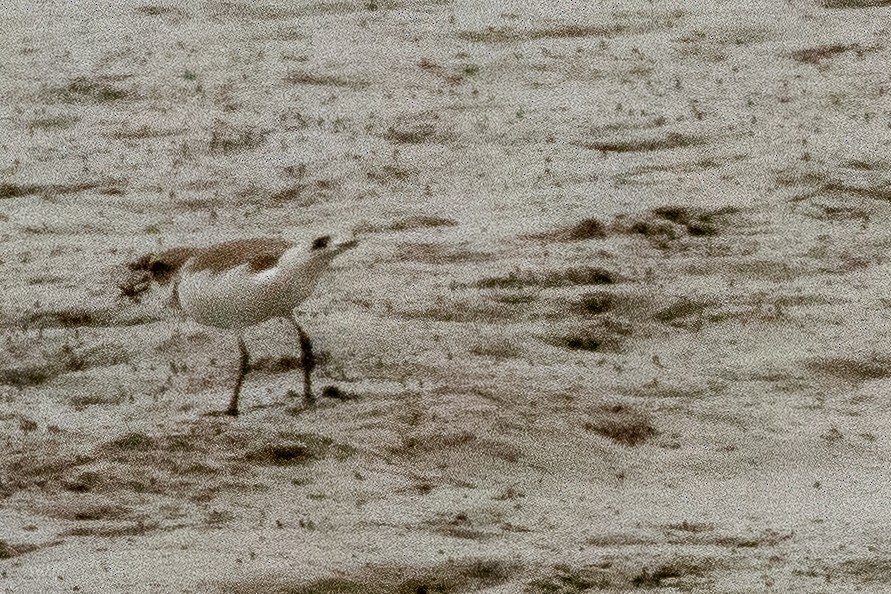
(230,299)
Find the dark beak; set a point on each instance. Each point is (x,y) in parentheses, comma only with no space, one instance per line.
(347,245)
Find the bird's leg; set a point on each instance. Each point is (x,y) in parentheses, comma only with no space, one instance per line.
(307,360)
(242,371)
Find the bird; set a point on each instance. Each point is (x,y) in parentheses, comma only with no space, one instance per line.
(240,283)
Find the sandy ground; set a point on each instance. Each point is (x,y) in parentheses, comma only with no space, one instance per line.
(618,319)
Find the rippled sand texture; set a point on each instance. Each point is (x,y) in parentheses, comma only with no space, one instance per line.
(618,319)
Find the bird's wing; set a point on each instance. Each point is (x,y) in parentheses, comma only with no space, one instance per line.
(259,253)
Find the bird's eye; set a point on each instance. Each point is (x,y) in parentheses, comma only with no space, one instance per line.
(321,242)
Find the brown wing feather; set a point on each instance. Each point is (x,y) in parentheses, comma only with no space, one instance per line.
(259,253)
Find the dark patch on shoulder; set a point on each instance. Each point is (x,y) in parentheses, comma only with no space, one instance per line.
(321,242)
(262,262)
(259,253)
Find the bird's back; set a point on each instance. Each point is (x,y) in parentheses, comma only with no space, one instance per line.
(259,253)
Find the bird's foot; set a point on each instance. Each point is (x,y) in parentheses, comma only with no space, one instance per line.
(329,391)
(222,413)
(308,398)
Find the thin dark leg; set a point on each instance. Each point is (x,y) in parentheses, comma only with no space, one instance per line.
(242,371)
(308,361)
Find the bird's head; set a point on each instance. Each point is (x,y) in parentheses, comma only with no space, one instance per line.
(325,248)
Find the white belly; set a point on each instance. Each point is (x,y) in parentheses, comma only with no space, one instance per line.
(238,298)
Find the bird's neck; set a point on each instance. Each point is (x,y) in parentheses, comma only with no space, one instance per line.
(301,274)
